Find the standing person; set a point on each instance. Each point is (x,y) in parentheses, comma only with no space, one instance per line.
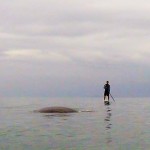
(107,90)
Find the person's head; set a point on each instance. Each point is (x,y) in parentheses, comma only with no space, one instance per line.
(107,82)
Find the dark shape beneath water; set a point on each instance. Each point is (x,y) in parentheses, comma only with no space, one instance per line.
(57,109)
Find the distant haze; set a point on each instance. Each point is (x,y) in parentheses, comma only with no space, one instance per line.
(72,47)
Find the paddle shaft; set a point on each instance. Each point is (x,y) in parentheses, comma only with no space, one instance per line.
(112,97)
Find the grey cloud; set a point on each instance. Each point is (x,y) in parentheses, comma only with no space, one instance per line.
(67,18)
(102,41)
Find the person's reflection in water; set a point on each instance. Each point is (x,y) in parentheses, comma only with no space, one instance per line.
(108,125)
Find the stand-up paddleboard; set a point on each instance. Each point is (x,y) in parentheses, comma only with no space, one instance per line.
(106,102)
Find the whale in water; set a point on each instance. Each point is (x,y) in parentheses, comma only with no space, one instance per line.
(56,109)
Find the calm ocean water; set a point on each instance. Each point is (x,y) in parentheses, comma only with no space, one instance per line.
(123,125)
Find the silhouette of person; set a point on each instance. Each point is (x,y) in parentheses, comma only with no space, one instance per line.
(107,90)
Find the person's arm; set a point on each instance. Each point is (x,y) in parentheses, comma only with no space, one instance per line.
(104,86)
(109,88)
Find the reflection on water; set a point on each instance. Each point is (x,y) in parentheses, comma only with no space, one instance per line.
(108,124)
(57,115)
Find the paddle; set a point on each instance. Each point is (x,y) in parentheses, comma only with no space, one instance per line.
(112,97)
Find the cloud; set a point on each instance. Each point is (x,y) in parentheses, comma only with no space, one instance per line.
(27,54)
(73,46)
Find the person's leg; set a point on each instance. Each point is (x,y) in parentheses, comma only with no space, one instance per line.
(104,95)
(108,97)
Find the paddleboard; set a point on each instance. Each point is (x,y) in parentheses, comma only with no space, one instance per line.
(106,102)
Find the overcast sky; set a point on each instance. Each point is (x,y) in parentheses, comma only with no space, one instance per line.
(71,47)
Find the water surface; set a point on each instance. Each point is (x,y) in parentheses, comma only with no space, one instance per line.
(120,126)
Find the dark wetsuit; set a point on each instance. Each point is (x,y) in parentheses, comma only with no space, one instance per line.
(107,89)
